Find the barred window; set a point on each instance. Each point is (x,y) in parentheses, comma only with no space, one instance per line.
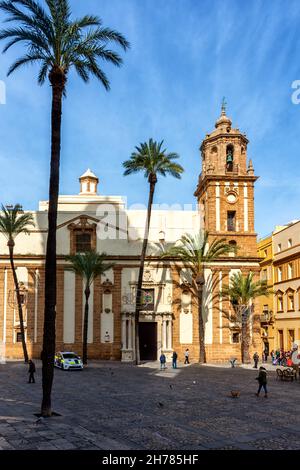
(19,337)
(231,221)
(83,242)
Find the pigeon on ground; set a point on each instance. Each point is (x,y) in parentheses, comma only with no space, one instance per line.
(160,404)
(171,386)
(41,420)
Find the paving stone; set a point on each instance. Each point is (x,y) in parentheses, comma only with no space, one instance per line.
(141,408)
(46,446)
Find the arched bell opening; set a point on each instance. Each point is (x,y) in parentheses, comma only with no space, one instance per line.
(229,157)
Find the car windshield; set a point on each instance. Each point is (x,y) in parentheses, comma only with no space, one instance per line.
(70,356)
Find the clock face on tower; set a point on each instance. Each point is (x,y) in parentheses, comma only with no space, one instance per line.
(231,198)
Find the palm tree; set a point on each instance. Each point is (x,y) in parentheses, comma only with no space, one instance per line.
(13,221)
(88,266)
(57,43)
(242,291)
(151,159)
(195,251)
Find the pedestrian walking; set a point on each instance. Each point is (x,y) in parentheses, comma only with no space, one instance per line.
(31,372)
(262,381)
(162,361)
(266,351)
(186,356)
(174,360)
(255,359)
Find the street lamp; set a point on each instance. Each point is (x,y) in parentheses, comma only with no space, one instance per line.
(200,281)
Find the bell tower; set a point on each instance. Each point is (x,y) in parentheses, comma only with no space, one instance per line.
(225,190)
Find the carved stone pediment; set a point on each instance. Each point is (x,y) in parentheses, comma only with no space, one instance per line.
(148,276)
(231,190)
(82,224)
(107,286)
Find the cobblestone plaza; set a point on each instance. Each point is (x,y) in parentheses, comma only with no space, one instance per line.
(113,406)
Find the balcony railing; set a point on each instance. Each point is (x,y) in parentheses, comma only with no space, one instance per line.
(266,316)
(231,169)
(231,226)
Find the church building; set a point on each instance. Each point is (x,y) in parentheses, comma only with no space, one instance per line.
(169,319)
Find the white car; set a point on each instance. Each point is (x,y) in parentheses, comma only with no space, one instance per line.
(68,361)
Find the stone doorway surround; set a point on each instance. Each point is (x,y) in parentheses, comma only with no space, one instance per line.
(164,333)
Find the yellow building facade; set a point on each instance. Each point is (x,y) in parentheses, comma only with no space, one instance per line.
(266,304)
(280,266)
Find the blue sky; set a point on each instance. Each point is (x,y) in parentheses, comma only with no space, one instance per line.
(185,56)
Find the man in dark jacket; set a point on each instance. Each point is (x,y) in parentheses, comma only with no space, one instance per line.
(174,360)
(31,372)
(262,381)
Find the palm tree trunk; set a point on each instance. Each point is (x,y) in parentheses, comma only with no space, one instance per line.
(202,358)
(85,324)
(152,181)
(57,80)
(245,343)
(11,245)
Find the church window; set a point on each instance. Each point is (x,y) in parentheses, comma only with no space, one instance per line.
(231,221)
(18,337)
(83,242)
(235,337)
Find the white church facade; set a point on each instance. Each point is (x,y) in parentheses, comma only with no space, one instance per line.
(224,205)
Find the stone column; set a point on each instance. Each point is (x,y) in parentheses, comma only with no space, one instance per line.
(124,345)
(36,304)
(176,309)
(59,307)
(169,345)
(130,333)
(164,338)
(116,304)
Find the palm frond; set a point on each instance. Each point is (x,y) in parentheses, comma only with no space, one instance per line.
(151,159)
(89,265)
(22,61)
(242,288)
(53,40)
(13,221)
(195,250)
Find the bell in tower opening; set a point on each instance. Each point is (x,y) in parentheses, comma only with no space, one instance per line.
(229,158)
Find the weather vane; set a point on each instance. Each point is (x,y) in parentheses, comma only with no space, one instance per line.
(224,104)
